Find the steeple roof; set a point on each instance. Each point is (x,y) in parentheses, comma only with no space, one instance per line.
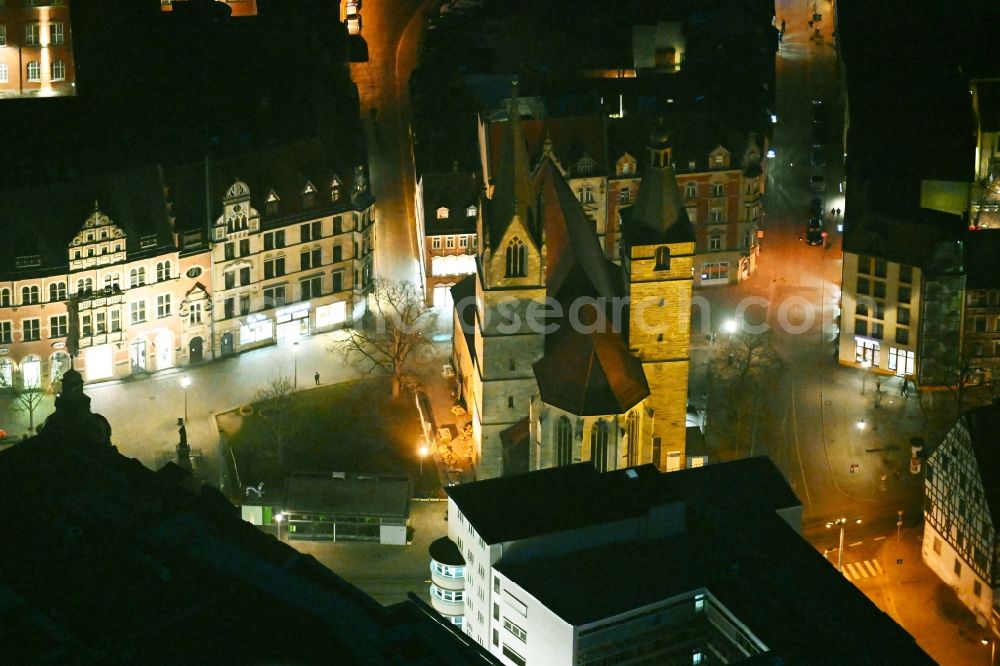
(513,193)
(575,263)
(657,215)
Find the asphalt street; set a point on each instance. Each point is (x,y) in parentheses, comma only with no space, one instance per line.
(809,418)
(392,33)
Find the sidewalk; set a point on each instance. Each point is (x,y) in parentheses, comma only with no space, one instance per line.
(927,608)
(452,445)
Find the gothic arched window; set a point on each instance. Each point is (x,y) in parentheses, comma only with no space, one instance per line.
(515,258)
(632,428)
(564,441)
(599,445)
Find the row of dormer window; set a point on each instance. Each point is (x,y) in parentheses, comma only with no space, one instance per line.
(443,212)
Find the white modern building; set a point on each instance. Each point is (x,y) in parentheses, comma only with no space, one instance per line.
(568,565)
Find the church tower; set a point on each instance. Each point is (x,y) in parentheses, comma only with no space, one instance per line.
(657,258)
(511,277)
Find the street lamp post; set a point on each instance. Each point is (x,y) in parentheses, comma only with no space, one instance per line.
(278,517)
(422,453)
(295,356)
(185,383)
(993,648)
(841,522)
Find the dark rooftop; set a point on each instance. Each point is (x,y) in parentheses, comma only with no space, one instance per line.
(752,562)
(104,561)
(554,500)
(284,169)
(42,220)
(463,294)
(445,551)
(348,494)
(912,239)
(177,86)
(563,498)
(907,124)
(590,374)
(982,251)
(984,431)
(456,191)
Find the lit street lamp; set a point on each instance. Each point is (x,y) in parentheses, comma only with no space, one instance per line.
(278,517)
(993,648)
(860,424)
(185,382)
(422,453)
(840,522)
(295,355)
(730,326)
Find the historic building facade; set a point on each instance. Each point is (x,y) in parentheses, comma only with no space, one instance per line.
(722,191)
(292,253)
(961,518)
(36,48)
(107,284)
(117,269)
(447,207)
(540,330)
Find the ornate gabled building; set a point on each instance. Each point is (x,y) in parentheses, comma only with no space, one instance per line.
(95,267)
(292,238)
(545,333)
(144,270)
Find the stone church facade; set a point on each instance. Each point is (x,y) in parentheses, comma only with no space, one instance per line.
(561,354)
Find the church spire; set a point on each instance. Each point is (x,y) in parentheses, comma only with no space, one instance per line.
(513,190)
(658,214)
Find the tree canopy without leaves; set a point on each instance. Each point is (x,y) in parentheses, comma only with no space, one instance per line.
(396,327)
(749,357)
(274,401)
(27,398)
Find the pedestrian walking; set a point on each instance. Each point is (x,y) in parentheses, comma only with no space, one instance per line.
(316,377)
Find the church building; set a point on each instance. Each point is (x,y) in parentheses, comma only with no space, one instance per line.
(562,355)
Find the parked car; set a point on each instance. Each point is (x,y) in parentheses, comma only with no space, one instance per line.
(818,156)
(353,19)
(815,232)
(817,184)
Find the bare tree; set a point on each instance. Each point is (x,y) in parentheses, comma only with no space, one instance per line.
(28,397)
(749,357)
(743,365)
(396,327)
(983,199)
(274,403)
